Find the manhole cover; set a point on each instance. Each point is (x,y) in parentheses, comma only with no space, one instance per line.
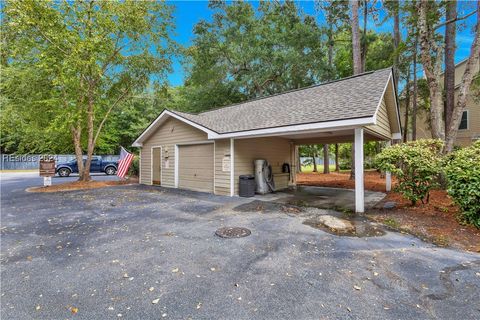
(232,232)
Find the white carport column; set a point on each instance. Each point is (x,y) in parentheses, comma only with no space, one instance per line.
(388,176)
(232,167)
(359,186)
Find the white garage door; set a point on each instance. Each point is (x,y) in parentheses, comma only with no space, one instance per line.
(195,167)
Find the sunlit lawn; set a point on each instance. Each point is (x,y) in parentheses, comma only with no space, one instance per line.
(309,168)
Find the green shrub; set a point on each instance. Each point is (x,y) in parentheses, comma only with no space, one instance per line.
(463,179)
(134,169)
(415,164)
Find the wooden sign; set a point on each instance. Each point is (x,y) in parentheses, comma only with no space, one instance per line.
(47,168)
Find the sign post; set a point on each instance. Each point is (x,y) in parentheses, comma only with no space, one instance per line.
(47,171)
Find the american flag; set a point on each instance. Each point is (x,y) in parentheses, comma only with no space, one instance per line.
(124,162)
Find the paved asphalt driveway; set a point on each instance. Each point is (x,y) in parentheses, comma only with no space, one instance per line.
(137,252)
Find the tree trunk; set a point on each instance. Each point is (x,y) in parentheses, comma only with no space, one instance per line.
(432,69)
(326,159)
(77,143)
(396,41)
(357,59)
(337,165)
(407,107)
(90,136)
(415,92)
(364,35)
(330,52)
(467,79)
(314,159)
(449,75)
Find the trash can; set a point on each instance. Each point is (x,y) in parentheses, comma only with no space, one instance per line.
(247,186)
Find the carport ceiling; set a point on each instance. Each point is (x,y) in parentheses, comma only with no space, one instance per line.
(337,136)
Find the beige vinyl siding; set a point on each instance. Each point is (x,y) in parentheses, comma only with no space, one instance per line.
(275,150)
(464,137)
(195,167)
(383,124)
(222,178)
(167,135)
(468,136)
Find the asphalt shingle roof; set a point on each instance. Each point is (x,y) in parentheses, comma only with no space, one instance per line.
(349,98)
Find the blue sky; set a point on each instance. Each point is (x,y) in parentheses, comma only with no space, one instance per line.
(188,13)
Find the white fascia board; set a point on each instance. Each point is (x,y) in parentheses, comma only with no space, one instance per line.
(162,117)
(338,124)
(397,108)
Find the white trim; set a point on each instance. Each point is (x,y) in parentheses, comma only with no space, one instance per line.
(155,124)
(232,167)
(151,164)
(140,166)
(177,159)
(195,142)
(397,109)
(301,128)
(176,167)
(359,183)
(214,172)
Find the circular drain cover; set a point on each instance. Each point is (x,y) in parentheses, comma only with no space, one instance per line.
(232,232)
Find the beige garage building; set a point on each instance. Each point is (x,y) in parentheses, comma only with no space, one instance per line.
(210,150)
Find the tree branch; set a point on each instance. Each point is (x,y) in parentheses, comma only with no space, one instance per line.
(100,126)
(454,20)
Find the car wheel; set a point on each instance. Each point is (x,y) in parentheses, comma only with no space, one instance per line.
(64,172)
(110,171)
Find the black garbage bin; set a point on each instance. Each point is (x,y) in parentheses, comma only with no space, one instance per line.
(247,186)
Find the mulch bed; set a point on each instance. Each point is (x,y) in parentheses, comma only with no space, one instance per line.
(81,185)
(436,221)
(372,180)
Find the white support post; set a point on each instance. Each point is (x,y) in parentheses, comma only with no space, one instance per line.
(232,167)
(388,176)
(359,185)
(388,182)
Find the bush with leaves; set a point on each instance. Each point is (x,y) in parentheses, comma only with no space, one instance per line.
(134,170)
(415,164)
(462,170)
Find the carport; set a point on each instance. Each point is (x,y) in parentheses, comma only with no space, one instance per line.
(208,151)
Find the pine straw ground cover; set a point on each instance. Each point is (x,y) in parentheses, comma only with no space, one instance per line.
(435,222)
(81,185)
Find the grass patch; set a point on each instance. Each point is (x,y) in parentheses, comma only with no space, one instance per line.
(392,223)
(309,168)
